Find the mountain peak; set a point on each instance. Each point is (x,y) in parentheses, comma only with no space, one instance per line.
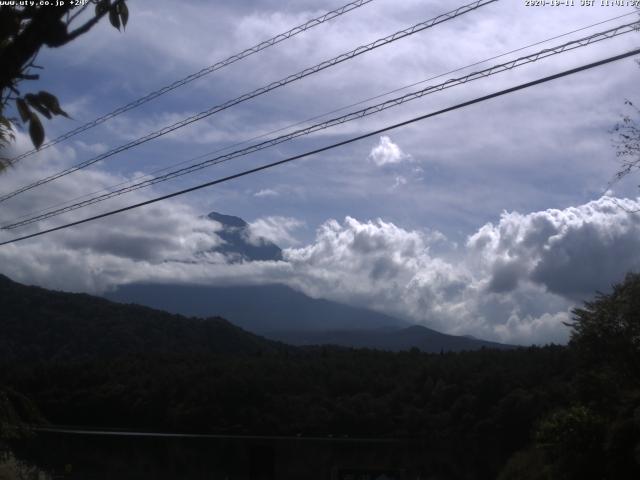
(227,220)
(239,243)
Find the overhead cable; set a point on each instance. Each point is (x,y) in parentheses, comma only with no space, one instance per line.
(194,76)
(310,119)
(524,60)
(330,147)
(260,91)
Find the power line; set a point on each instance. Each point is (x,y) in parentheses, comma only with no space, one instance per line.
(205,71)
(572,45)
(272,86)
(316,117)
(332,146)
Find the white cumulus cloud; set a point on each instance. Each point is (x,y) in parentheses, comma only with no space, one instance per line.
(379,265)
(571,252)
(387,152)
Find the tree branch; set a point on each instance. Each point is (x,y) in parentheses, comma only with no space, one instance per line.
(84,28)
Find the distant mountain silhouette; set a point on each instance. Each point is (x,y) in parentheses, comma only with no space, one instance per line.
(239,244)
(259,308)
(392,339)
(282,313)
(43,325)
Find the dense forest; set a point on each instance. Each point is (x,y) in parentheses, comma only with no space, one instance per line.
(548,412)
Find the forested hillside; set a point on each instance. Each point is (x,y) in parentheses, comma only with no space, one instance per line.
(551,412)
(42,325)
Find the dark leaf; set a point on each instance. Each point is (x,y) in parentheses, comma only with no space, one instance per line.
(124,13)
(114,18)
(36,131)
(34,101)
(23,109)
(51,102)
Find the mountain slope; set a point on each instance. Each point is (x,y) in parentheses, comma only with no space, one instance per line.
(44,325)
(258,308)
(281,313)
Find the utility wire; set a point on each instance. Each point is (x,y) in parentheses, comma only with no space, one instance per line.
(332,146)
(272,86)
(194,76)
(572,45)
(316,117)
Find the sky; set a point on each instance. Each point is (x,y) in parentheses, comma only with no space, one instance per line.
(494,220)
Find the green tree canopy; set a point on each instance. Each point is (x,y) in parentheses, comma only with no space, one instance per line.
(606,331)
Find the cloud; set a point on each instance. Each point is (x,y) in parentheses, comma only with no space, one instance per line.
(266,192)
(93,148)
(387,152)
(379,265)
(571,252)
(399,181)
(96,255)
(276,229)
(514,280)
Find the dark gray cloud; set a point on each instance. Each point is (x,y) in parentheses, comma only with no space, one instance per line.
(505,276)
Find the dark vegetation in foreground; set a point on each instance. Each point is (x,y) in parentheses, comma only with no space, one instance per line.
(534,413)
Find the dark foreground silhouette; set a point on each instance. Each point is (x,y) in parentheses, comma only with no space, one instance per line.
(534,413)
